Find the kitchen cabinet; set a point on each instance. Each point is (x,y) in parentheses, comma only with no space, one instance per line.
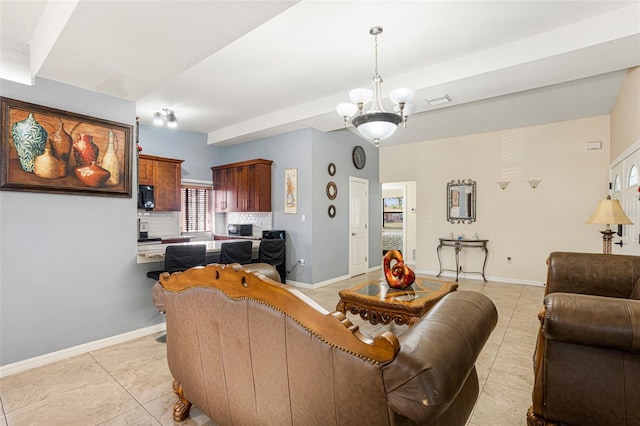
(243,186)
(165,176)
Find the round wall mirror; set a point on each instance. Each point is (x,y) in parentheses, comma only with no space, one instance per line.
(332,190)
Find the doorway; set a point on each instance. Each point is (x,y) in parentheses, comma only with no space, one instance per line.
(399,219)
(358,226)
(625,179)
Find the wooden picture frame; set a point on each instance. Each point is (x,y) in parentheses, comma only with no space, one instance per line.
(44,149)
(291,191)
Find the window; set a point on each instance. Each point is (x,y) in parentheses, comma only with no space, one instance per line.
(633,176)
(196,208)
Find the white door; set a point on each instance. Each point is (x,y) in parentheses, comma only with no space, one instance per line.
(358,225)
(624,180)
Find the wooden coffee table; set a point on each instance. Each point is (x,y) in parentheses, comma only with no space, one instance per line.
(377,303)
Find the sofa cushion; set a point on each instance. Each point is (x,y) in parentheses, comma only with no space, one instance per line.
(635,293)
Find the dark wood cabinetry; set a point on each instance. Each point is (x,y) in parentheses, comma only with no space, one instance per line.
(243,186)
(165,175)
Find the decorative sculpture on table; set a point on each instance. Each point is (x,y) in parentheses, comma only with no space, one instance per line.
(399,275)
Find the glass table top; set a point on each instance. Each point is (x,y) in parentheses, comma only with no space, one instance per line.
(419,289)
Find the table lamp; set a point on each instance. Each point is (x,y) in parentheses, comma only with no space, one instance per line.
(607,212)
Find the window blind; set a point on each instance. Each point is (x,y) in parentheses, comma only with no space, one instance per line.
(196,208)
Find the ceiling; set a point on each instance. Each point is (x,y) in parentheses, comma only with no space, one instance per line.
(243,70)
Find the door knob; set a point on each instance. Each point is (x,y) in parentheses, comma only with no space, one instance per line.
(620,243)
(353,234)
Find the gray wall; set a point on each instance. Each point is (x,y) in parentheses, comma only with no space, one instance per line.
(321,241)
(68,272)
(331,236)
(288,151)
(188,146)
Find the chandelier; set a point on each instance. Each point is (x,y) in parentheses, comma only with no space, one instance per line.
(376,124)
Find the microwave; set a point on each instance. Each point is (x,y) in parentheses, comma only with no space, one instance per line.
(146,198)
(244,230)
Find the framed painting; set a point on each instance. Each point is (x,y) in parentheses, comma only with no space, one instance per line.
(49,150)
(291,191)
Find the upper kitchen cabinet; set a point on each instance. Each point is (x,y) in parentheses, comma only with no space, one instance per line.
(165,175)
(243,186)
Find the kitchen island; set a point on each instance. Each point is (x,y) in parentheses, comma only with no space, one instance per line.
(149,253)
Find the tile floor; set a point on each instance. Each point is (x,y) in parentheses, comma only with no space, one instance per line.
(130,383)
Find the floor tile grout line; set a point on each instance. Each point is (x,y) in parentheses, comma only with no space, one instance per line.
(140,404)
(480,392)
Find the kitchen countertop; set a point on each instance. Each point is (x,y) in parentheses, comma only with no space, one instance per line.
(155,252)
(238,237)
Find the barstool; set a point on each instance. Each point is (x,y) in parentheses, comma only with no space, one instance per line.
(236,252)
(178,259)
(181,258)
(273,252)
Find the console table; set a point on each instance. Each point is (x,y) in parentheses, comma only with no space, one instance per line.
(458,245)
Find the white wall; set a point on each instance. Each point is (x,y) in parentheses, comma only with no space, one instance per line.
(520,222)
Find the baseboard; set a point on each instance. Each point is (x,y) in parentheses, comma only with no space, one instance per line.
(42,360)
(317,285)
(477,276)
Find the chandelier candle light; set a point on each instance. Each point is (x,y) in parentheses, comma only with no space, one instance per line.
(376,124)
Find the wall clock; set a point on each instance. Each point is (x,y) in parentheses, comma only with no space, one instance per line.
(332,190)
(359,157)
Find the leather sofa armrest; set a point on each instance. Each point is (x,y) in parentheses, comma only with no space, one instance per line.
(592,321)
(437,354)
(265,269)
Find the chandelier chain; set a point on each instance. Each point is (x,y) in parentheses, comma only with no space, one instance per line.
(376,53)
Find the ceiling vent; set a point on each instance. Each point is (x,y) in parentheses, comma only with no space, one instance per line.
(438,100)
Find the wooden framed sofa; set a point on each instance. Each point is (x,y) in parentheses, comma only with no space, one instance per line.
(246,349)
(587,358)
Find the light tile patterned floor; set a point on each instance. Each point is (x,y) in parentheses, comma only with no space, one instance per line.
(130,383)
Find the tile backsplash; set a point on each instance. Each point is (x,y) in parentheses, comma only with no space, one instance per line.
(167,224)
(161,224)
(261,221)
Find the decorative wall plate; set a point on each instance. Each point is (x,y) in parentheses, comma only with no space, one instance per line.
(332,169)
(332,190)
(332,211)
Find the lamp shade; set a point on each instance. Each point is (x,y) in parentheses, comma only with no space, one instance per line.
(360,95)
(401,95)
(609,212)
(346,109)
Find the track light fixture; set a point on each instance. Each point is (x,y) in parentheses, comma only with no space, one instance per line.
(166,115)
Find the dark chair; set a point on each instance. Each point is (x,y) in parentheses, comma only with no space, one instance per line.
(181,258)
(237,252)
(273,253)
(178,259)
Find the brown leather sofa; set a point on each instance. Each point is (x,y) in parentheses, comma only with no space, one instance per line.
(587,359)
(246,349)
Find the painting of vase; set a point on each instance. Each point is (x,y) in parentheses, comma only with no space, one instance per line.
(48,150)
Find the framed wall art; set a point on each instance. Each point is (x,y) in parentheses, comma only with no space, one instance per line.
(291,191)
(50,150)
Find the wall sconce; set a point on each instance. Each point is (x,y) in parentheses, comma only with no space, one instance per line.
(168,115)
(503,184)
(533,183)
